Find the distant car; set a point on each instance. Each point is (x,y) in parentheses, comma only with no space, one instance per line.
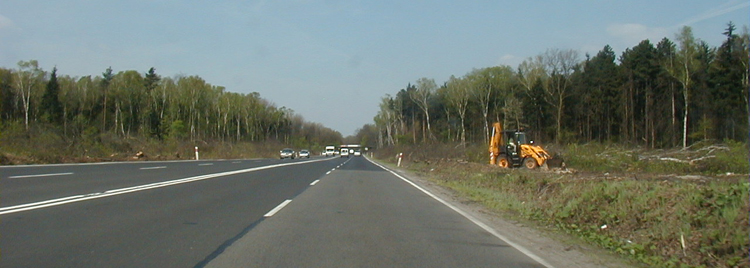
(286,153)
(344,152)
(304,153)
(357,153)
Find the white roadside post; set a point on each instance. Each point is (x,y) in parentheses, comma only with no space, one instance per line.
(196,153)
(400,155)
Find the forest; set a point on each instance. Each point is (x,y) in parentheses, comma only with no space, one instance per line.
(664,95)
(131,104)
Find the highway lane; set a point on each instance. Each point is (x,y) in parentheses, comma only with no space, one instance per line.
(177,225)
(27,184)
(363,216)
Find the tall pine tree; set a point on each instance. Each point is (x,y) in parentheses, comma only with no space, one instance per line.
(52,111)
(725,79)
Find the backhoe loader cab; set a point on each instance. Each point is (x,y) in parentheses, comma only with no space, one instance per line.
(511,148)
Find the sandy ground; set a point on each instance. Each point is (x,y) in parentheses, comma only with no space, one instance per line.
(556,248)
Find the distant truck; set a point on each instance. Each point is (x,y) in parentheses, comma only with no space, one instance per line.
(330,150)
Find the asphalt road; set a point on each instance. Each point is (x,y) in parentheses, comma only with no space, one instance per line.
(322,212)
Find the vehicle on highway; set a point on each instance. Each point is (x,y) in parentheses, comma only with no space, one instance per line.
(330,150)
(344,152)
(357,153)
(286,153)
(304,153)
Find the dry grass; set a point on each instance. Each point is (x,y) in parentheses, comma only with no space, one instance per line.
(654,212)
(41,145)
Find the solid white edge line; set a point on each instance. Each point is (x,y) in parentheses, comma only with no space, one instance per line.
(314,182)
(471,218)
(277,208)
(40,203)
(40,175)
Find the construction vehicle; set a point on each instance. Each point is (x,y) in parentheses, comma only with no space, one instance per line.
(511,148)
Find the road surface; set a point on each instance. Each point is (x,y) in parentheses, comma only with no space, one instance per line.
(319,212)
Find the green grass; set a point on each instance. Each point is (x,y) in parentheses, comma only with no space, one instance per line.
(703,158)
(646,219)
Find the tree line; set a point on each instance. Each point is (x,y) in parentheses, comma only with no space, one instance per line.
(131,104)
(668,94)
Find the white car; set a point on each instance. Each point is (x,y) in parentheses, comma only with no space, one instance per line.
(286,153)
(344,152)
(357,153)
(304,153)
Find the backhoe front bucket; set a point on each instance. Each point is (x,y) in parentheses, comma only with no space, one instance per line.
(555,162)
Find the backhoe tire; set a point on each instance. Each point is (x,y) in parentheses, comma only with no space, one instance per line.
(503,162)
(530,163)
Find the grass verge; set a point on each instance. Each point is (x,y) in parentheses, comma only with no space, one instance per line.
(648,213)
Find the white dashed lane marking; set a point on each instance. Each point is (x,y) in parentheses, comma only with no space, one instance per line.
(277,208)
(147,168)
(40,175)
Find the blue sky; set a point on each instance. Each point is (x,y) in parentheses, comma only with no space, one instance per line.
(328,60)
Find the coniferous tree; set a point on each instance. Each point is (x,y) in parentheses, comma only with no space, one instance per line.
(640,69)
(6,96)
(725,79)
(52,111)
(600,77)
(701,102)
(667,102)
(107,77)
(151,81)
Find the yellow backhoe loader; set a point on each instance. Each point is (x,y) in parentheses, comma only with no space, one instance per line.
(511,148)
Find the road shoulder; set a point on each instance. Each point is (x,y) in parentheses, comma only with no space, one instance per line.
(558,249)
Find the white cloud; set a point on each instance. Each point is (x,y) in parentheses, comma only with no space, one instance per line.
(717,11)
(5,22)
(633,33)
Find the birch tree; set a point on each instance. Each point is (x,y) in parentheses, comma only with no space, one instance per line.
(686,63)
(27,79)
(425,88)
(458,95)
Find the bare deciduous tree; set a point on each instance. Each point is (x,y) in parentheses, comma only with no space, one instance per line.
(559,66)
